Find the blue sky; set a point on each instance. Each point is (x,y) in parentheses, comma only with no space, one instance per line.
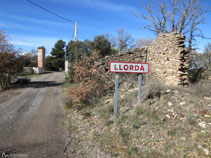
(29,26)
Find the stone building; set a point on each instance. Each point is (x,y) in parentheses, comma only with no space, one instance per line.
(41,57)
(40,61)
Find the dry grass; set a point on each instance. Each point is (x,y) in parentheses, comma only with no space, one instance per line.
(202,88)
(171,122)
(167,123)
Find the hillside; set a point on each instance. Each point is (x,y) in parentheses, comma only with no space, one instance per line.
(171,122)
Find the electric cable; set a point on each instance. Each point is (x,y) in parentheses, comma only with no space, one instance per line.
(50,11)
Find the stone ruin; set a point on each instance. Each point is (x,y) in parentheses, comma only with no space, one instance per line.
(167,58)
(40,63)
(40,60)
(41,57)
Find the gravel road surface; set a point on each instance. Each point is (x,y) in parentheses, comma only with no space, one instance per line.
(32,123)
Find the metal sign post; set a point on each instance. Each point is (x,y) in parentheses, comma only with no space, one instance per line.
(116,94)
(127,67)
(139,89)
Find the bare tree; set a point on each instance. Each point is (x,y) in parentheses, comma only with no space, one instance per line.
(9,61)
(111,39)
(183,16)
(124,40)
(200,64)
(143,42)
(5,46)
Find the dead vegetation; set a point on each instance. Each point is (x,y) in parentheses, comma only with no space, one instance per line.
(171,121)
(91,80)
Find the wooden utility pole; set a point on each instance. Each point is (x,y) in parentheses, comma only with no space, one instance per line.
(75,31)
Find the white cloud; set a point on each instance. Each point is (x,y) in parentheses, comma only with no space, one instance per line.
(24,41)
(21,43)
(99,4)
(12,25)
(34,20)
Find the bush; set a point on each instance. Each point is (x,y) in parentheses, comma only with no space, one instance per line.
(92,80)
(196,75)
(9,61)
(9,66)
(202,88)
(152,89)
(68,102)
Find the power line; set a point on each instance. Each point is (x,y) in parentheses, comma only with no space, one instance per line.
(50,11)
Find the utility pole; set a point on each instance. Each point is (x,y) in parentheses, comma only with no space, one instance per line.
(66,61)
(75,31)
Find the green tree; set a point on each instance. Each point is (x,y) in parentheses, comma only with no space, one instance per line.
(59,49)
(207,61)
(101,45)
(49,63)
(77,49)
(55,62)
(200,65)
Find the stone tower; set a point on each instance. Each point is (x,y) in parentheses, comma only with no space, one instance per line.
(41,57)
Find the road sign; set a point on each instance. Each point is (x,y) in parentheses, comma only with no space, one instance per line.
(128,67)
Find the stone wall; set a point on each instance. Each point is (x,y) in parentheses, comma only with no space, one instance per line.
(41,57)
(137,55)
(167,58)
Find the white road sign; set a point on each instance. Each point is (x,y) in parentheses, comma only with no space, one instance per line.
(128,67)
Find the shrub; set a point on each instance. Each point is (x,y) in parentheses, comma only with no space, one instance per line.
(106,112)
(196,75)
(68,102)
(152,89)
(202,88)
(9,61)
(92,80)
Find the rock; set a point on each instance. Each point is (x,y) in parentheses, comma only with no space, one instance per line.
(168,91)
(204,149)
(131,86)
(170,110)
(207,98)
(170,104)
(182,103)
(208,116)
(121,96)
(168,116)
(108,101)
(183,138)
(202,124)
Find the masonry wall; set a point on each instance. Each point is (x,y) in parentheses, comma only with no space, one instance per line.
(41,57)
(167,58)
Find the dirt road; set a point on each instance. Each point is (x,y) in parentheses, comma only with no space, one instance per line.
(32,123)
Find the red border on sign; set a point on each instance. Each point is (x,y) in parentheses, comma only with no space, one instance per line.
(129,63)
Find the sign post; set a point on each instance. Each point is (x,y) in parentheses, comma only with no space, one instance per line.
(127,67)
(116,94)
(139,89)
